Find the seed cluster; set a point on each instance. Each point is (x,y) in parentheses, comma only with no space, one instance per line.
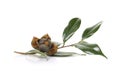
(44,44)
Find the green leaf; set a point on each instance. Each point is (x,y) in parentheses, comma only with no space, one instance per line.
(89,48)
(33,51)
(64,54)
(91,30)
(72,27)
(44,55)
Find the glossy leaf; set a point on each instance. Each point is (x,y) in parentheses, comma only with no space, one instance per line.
(64,54)
(44,55)
(37,52)
(72,27)
(33,51)
(91,30)
(89,48)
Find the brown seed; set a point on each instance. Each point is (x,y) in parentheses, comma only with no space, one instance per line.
(43,48)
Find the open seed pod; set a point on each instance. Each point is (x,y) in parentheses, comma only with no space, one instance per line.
(44,44)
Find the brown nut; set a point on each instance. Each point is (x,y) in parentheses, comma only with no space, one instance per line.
(43,48)
(44,44)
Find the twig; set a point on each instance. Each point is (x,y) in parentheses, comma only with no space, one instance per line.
(66,46)
(23,53)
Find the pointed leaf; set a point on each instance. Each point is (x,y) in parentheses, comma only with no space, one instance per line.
(72,27)
(91,30)
(89,48)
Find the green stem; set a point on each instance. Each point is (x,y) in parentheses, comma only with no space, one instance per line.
(42,55)
(63,44)
(69,45)
(81,41)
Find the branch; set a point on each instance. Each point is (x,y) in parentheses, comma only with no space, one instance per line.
(23,53)
(66,46)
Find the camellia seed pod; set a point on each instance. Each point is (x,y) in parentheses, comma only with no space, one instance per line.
(44,44)
(34,43)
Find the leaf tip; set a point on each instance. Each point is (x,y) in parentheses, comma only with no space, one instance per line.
(100,23)
(105,56)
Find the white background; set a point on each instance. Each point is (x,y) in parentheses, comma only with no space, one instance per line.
(20,20)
